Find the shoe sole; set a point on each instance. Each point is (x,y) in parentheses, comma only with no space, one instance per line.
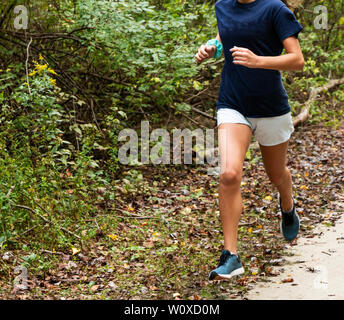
(229,276)
(297,216)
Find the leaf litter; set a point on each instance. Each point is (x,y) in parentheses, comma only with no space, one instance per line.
(170,256)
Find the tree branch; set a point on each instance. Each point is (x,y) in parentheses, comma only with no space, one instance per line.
(27,65)
(304,113)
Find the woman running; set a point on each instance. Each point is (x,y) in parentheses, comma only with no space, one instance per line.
(253,100)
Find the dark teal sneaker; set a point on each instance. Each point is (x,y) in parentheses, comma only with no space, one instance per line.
(228,267)
(290,223)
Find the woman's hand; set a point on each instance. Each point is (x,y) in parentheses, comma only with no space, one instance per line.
(291,60)
(205,52)
(245,57)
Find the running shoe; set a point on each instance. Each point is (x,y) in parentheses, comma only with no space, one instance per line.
(229,266)
(290,223)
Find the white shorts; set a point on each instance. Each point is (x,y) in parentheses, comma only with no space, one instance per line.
(268,131)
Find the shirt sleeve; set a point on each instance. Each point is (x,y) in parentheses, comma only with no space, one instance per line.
(285,23)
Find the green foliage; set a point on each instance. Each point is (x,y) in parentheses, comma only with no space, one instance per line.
(104,66)
(152,49)
(35,161)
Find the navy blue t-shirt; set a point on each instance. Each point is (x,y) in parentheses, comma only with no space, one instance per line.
(260,26)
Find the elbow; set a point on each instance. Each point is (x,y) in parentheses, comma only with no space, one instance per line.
(300,64)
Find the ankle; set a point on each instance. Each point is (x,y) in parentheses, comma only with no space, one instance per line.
(233,251)
(286,202)
(287,206)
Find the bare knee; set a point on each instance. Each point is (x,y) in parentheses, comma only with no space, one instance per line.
(231,177)
(278,178)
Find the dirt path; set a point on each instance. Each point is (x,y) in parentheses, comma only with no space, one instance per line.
(316,267)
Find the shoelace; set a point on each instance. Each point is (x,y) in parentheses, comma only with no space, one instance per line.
(224,258)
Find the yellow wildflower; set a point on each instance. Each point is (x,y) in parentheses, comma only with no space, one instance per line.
(52,71)
(113,236)
(41,67)
(52,82)
(40,57)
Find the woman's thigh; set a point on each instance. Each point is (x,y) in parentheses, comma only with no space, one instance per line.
(234,140)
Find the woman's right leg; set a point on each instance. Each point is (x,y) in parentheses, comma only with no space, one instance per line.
(234,140)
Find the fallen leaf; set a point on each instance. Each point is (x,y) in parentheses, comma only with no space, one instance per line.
(94,288)
(75,251)
(303,187)
(112,286)
(148,244)
(194,297)
(186,210)
(71,265)
(287,280)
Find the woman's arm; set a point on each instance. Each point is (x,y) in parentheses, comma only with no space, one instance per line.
(292,60)
(218,37)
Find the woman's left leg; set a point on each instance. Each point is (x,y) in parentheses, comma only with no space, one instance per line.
(275,163)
